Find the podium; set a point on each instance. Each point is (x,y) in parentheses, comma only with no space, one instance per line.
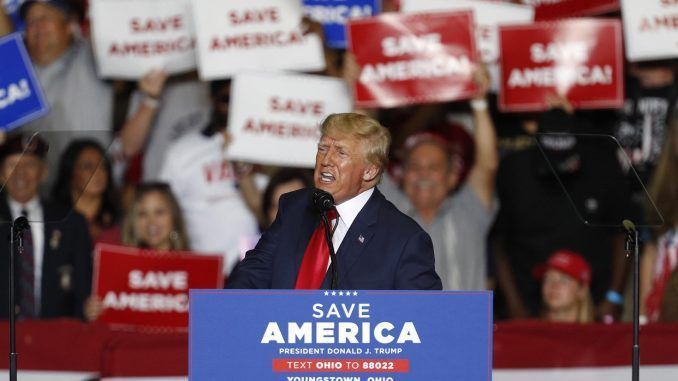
(340,335)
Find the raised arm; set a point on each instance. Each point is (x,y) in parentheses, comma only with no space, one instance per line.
(6,26)
(486,161)
(134,132)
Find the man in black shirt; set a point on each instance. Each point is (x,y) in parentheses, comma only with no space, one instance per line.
(538,217)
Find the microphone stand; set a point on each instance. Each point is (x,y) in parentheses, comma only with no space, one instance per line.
(16,236)
(631,238)
(330,246)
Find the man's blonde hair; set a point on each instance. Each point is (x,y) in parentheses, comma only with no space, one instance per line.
(375,137)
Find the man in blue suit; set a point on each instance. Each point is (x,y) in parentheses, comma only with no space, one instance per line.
(377,246)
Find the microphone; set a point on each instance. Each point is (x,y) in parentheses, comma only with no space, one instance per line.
(324,202)
(20,224)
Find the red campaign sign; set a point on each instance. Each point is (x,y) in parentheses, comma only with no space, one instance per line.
(414,58)
(574,8)
(579,59)
(145,288)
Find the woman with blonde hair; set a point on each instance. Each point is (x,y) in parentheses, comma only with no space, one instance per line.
(565,288)
(660,256)
(155,220)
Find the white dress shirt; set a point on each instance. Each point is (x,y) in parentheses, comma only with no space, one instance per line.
(36,221)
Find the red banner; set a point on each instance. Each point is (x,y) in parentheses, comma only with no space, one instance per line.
(411,59)
(144,288)
(574,8)
(579,59)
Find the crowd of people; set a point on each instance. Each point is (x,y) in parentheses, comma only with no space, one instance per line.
(513,203)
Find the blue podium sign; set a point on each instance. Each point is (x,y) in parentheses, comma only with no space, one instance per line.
(334,14)
(21,98)
(323,335)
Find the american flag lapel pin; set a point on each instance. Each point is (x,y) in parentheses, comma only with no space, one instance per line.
(361,239)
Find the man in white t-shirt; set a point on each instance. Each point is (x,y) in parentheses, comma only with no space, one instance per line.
(206,185)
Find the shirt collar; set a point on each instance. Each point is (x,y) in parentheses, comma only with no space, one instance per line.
(31,206)
(349,209)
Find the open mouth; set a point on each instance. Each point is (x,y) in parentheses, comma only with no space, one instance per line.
(425,184)
(154,231)
(326,177)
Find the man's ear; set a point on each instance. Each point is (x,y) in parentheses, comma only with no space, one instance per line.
(370,173)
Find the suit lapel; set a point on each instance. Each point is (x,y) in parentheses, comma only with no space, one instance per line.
(357,237)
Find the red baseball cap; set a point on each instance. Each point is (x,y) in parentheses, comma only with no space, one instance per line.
(568,262)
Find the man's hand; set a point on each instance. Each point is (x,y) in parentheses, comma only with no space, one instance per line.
(481,77)
(94,306)
(554,100)
(152,83)
(351,69)
(309,25)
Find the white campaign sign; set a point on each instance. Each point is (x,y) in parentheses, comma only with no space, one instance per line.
(275,118)
(132,37)
(650,29)
(253,35)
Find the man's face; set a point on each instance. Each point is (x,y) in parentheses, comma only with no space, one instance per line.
(428,176)
(48,33)
(341,168)
(22,176)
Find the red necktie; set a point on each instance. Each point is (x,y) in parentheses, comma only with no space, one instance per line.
(317,255)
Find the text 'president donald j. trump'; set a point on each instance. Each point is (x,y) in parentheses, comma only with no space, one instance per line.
(377,246)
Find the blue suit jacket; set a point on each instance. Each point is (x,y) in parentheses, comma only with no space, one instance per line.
(383,249)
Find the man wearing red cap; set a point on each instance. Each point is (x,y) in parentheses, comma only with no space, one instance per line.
(54,271)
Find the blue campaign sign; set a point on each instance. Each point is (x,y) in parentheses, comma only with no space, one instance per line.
(21,98)
(334,14)
(290,335)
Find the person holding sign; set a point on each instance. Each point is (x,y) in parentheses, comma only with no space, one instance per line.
(154,222)
(458,216)
(213,192)
(377,246)
(54,273)
(5,23)
(81,104)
